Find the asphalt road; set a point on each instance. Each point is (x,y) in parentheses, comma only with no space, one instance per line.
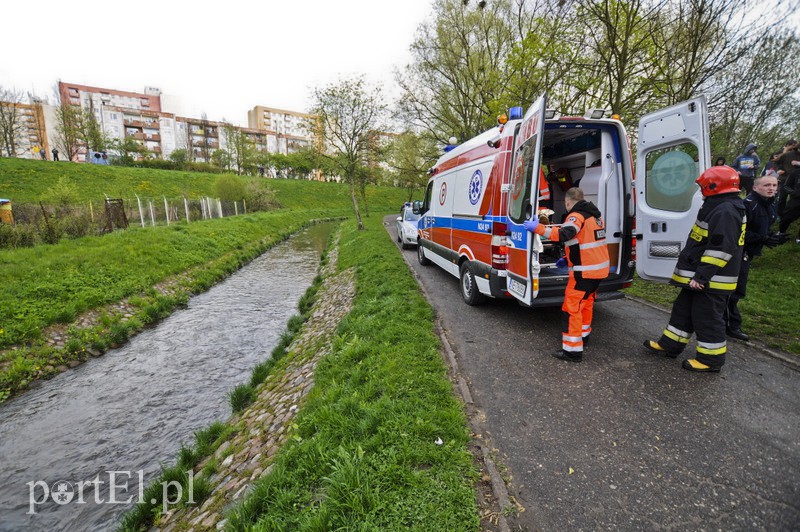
(625,440)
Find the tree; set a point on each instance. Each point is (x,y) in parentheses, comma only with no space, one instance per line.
(128,149)
(11,121)
(69,128)
(180,157)
(348,111)
(241,148)
(756,103)
(410,157)
(452,86)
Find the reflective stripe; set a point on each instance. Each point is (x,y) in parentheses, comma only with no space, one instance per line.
(701,224)
(713,260)
(547,232)
(565,338)
(725,279)
(591,267)
(684,273)
(718,351)
(722,286)
(679,332)
(572,348)
(586,327)
(718,254)
(680,280)
(591,245)
(675,337)
(571,225)
(715,345)
(571,242)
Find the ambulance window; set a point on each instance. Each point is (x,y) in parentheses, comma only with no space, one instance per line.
(426,205)
(670,178)
(519,199)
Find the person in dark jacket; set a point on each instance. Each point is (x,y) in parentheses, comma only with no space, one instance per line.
(761,214)
(707,273)
(792,209)
(747,165)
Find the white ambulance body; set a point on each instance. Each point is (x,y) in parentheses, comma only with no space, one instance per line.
(482,191)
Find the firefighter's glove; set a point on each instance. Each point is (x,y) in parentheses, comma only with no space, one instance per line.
(530,225)
(561,263)
(776,239)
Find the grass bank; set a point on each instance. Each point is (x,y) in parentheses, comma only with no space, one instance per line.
(771,309)
(27,181)
(381,443)
(53,284)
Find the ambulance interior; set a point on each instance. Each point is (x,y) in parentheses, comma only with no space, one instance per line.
(586,157)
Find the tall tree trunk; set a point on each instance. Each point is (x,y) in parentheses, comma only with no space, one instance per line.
(355,207)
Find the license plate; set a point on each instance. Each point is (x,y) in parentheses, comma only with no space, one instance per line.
(517,288)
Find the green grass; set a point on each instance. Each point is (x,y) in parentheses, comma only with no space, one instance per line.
(27,181)
(771,309)
(365,455)
(53,284)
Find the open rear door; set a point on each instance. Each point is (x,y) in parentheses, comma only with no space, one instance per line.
(523,265)
(672,152)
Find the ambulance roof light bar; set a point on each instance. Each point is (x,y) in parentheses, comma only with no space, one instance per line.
(515,113)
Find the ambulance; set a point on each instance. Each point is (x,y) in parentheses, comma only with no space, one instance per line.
(480,193)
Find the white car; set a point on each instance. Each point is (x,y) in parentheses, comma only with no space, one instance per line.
(407,226)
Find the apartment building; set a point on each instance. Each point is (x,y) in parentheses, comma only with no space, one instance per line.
(287,131)
(154,121)
(24,130)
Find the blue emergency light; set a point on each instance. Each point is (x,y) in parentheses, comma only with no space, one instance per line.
(515,113)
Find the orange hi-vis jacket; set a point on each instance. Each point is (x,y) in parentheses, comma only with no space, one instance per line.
(544,187)
(584,236)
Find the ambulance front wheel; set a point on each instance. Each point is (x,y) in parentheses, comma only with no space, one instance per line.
(469,288)
(421,255)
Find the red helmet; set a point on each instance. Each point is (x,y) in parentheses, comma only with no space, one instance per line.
(718,180)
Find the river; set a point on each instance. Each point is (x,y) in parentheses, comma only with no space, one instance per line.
(129,410)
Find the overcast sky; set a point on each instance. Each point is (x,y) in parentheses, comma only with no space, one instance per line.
(222,57)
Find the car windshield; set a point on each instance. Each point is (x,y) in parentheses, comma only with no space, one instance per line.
(410,216)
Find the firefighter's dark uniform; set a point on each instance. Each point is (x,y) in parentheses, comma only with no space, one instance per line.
(584,236)
(712,257)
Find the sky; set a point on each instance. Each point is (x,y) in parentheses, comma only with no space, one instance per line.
(222,58)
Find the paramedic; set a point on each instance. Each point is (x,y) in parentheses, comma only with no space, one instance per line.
(584,236)
(707,272)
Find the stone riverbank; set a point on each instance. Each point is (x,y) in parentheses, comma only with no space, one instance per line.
(262,428)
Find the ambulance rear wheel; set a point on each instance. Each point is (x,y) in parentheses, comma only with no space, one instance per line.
(421,255)
(469,288)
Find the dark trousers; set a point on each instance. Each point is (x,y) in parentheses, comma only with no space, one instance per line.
(701,313)
(733,318)
(790,214)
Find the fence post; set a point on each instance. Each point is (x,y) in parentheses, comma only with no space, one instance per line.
(166,209)
(141,212)
(186,208)
(244,203)
(152,215)
(91,212)
(219,207)
(236,208)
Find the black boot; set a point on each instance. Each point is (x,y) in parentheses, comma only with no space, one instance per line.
(738,334)
(569,357)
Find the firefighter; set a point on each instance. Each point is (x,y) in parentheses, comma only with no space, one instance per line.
(584,236)
(707,273)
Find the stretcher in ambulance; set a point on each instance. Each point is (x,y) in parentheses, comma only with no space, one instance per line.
(481,192)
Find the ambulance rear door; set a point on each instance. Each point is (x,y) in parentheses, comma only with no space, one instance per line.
(672,151)
(522,267)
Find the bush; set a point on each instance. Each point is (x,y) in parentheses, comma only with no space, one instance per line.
(63,193)
(229,187)
(260,197)
(17,236)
